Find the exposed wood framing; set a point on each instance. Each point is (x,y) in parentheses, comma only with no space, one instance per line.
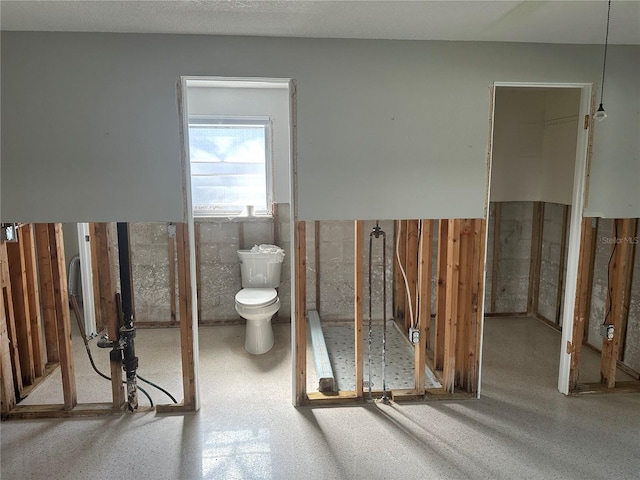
(476,312)
(562,262)
(465,281)
(198,272)
(624,319)
(100,325)
(59,270)
(300,248)
(424,305)
(538,267)
(11,382)
(411,268)
(316,231)
(172,272)
(108,308)
(621,251)
(534,258)
(47,296)
(186,314)
(399,294)
(20,294)
(358,275)
(497,218)
(583,299)
(441,300)
(31,273)
(451,307)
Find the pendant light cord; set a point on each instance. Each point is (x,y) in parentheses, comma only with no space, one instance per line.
(606,43)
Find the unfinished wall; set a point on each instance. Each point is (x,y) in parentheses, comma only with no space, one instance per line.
(336,270)
(632,344)
(514,254)
(218,242)
(598,314)
(551,263)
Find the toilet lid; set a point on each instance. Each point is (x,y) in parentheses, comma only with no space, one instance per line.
(256,297)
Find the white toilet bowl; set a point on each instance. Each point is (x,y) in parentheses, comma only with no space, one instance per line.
(257,306)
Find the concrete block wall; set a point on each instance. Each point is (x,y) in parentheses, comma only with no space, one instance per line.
(514,254)
(219,265)
(549,268)
(150,270)
(337,270)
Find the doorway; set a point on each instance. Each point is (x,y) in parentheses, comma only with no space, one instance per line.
(537,181)
(237,164)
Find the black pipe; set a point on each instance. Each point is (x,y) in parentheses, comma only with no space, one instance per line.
(127,330)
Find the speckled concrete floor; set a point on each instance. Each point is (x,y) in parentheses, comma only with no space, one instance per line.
(247,429)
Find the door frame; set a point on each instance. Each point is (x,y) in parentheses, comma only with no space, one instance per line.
(578,203)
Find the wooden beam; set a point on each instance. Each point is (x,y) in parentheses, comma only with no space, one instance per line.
(300,249)
(562,262)
(108,308)
(316,231)
(424,305)
(441,300)
(358,275)
(463,324)
(172,271)
(100,325)
(536,275)
(7,388)
(411,268)
(20,294)
(186,315)
(59,271)
(594,245)
(536,243)
(624,320)
(7,298)
(399,290)
(451,309)
(582,300)
(47,295)
(495,264)
(617,277)
(198,270)
(31,271)
(477,291)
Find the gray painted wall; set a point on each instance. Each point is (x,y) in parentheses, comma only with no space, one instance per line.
(99,112)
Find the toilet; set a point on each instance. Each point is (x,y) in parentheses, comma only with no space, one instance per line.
(258,300)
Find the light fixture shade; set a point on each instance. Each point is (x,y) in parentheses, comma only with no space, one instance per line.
(600,114)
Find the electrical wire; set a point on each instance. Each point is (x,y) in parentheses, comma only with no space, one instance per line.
(609,289)
(404,275)
(606,44)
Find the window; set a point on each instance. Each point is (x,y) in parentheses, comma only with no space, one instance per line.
(230,165)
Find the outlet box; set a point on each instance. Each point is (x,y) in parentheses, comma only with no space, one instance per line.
(607,331)
(414,335)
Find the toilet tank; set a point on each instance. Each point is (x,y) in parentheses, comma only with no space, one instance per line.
(260,267)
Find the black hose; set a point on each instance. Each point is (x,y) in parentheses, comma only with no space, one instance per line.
(159,388)
(74,304)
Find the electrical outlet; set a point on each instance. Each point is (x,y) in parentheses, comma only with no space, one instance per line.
(607,331)
(414,335)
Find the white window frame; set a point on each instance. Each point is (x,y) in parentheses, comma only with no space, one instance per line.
(233,120)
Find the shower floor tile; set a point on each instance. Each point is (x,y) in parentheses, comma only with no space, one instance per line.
(399,367)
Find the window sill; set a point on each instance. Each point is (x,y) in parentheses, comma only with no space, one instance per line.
(236,219)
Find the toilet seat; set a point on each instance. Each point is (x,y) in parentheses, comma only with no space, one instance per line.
(256,297)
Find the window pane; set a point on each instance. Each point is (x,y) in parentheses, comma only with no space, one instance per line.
(228,167)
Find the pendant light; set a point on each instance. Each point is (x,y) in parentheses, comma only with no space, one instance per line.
(600,113)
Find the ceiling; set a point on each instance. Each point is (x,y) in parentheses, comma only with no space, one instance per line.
(479,20)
